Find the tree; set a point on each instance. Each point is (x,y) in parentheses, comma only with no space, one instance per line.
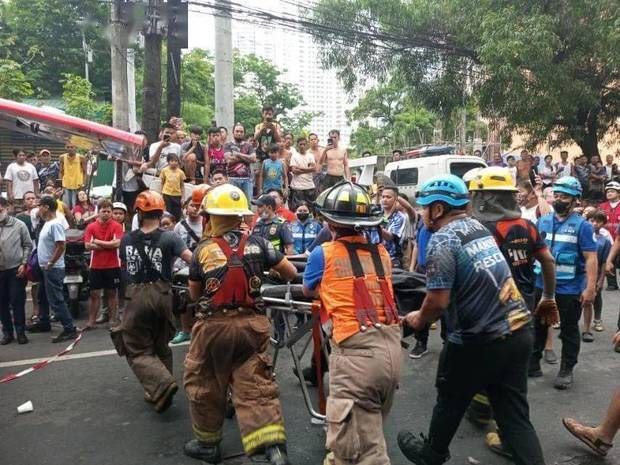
(47,41)
(78,97)
(539,71)
(389,114)
(13,82)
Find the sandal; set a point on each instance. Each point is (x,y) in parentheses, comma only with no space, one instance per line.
(581,432)
(587,337)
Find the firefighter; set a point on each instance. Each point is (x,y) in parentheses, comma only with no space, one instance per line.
(489,336)
(147,327)
(353,280)
(494,204)
(231,335)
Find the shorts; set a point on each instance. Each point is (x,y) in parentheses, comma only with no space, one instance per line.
(329,180)
(107,278)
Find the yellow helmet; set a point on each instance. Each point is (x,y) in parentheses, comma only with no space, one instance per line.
(226,200)
(493,178)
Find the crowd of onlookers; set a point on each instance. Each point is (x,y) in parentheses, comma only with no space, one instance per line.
(281,174)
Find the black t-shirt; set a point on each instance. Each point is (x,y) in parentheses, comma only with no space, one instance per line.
(160,250)
(519,240)
(209,261)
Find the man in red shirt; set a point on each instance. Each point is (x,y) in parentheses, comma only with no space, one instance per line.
(611,207)
(103,238)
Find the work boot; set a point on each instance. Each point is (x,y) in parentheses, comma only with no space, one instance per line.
(103,317)
(196,449)
(6,339)
(276,454)
(65,336)
(419,451)
(494,443)
(165,401)
(38,327)
(564,380)
(534,370)
(22,339)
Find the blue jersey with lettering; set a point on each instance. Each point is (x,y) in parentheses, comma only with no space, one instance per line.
(485,303)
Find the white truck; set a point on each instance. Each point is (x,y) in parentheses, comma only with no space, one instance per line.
(411,173)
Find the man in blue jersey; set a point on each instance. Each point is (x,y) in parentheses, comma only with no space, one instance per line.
(570,239)
(489,336)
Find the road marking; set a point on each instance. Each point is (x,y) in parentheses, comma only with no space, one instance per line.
(99,353)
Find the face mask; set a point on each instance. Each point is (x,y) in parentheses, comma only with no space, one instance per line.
(3,216)
(303,216)
(561,208)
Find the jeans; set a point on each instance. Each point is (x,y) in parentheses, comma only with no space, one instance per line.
(245,184)
(69,197)
(570,314)
(51,295)
(12,296)
(500,367)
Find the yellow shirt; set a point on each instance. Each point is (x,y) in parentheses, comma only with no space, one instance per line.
(172,181)
(73,177)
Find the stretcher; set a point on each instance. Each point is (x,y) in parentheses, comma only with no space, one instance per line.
(284,301)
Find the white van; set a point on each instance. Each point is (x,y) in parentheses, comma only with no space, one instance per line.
(411,173)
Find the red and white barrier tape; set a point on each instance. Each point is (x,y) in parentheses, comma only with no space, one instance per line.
(44,363)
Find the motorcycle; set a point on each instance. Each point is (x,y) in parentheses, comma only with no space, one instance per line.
(76,288)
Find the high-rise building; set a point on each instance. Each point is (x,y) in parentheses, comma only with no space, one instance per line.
(297,55)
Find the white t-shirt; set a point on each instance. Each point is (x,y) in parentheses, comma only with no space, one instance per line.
(34,219)
(163,162)
(530,213)
(196,227)
(302,181)
(22,177)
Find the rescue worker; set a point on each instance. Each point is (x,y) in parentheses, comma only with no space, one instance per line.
(231,335)
(570,238)
(489,340)
(146,328)
(272,227)
(353,280)
(494,204)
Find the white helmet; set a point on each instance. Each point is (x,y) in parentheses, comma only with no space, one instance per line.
(119,205)
(613,185)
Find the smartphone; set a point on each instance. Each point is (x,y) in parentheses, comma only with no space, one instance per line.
(330,141)
(166,137)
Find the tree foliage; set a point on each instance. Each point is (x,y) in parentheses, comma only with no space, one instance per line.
(257,82)
(47,41)
(543,67)
(78,97)
(13,82)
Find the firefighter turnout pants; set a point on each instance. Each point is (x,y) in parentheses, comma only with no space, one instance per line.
(364,372)
(144,334)
(231,349)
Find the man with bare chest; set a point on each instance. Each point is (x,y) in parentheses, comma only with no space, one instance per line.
(337,161)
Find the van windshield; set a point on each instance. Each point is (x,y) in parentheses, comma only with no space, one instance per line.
(459,168)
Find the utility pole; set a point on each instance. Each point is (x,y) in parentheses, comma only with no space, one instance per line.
(173,79)
(120,96)
(224,105)
(151,90)
(131,89)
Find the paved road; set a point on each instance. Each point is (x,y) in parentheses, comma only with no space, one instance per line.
(90,410)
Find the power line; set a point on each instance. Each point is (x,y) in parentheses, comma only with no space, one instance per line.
(346,36)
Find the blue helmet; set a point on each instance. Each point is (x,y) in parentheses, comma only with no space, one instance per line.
(446,188)
(568,185)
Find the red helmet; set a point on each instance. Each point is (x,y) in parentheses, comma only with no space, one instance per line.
(148,201)
(199,192)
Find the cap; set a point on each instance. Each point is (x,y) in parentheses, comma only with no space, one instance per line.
(265,200)
(120,206)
